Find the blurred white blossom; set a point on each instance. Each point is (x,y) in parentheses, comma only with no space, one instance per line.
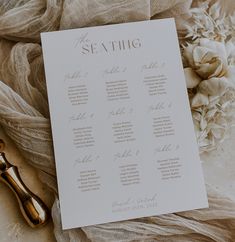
(208,51)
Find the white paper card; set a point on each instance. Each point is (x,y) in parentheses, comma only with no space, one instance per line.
(123,135)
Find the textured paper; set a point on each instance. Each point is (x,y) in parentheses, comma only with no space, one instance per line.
(122,129)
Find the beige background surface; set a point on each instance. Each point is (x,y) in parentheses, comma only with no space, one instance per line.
(219,170)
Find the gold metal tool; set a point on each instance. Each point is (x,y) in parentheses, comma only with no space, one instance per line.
(32,207)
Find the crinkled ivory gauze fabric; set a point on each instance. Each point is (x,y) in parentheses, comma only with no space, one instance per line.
(24,111)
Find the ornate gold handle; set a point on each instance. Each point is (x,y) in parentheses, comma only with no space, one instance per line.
(34,210)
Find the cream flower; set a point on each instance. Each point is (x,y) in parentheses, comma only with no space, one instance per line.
(211,69)
(208,58)
(209,61)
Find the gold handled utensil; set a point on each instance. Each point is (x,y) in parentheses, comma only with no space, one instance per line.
(32,207)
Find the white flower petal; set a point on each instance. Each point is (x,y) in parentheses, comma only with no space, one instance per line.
(230,48)
(214,86)
(199,100)
(202,55)
(231,75)
(214,10)
(187,53)
(196,116)
(215,46)
(192,79)
(203,124)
